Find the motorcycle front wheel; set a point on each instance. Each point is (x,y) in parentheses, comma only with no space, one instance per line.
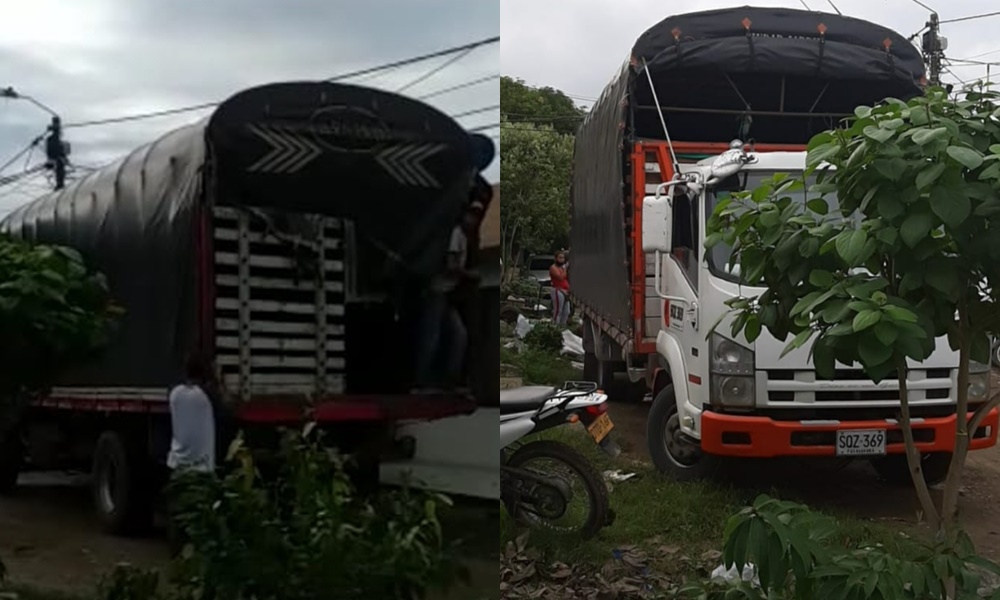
(584,494)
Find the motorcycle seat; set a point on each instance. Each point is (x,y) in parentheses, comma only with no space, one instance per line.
(523,399)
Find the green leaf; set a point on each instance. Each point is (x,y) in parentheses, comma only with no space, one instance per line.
(823,360)
(752,329)
(873,352)
(821,153)
(850,245)
(863,112)
(821,279)
(990,172)
(890,168)
(889,206)
(941,276)
(798,341)
(929,174)
(886,332)
(950,205)
(898,313)
(926,136)
(878,134)
(865,319)
(915,228)
(819,206)
(969,157)
(889,235)
(770,218)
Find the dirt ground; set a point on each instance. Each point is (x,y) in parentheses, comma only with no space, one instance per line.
(852,488)
(50,540)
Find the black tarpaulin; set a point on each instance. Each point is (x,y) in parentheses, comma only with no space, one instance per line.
(133,220)
(598,269)
(776,66)
(399,168)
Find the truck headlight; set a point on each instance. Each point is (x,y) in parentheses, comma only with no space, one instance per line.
(979,383)
(732,374)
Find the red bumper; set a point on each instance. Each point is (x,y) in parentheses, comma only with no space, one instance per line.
(763,437)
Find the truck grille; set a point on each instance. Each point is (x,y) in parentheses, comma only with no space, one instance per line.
(279,306)
(786,387)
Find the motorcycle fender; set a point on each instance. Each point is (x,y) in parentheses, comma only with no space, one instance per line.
(670,350)
(513,430)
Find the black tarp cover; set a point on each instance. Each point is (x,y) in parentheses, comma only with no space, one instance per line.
(399,168)
(134,221)
(776,61)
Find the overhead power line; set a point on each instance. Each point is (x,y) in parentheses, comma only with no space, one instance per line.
(475,111)
(923,6)
(835,7)
(483,128)
(23,152)
(460,86)
(971,17)
(465,48)
(424,77)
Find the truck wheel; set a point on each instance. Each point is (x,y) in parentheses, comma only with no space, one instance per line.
(11,460)
(894,469)
(672,453)
(121,485)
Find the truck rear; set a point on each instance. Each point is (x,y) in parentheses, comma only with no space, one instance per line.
(773,78)
(272,238)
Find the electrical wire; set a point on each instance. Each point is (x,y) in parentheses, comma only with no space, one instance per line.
(923,6)
(835,7)
(460,86)
(803,3)
(971,17)
(23,152)
(482,128)
(350,75)
(475,111)
(424,77)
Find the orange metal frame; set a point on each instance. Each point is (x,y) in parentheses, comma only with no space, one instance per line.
(638,160)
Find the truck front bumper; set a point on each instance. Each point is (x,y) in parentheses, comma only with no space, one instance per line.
(763,437)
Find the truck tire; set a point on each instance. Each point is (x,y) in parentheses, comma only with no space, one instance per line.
(678,458)
(11,461)
(894,469)
(122,485)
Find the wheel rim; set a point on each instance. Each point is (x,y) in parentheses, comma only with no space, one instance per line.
(575,513)
(682,453)
(106,488)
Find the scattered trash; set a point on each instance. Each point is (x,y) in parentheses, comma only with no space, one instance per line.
(523,326)
(572,343)
(732,575)
(618,477)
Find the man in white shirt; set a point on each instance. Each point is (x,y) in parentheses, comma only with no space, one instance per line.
(192,447)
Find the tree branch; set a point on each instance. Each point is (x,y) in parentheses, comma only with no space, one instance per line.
(912,455)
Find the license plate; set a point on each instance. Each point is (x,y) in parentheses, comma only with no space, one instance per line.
(869,442)
(600,428)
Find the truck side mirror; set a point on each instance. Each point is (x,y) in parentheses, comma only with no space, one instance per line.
(657,224)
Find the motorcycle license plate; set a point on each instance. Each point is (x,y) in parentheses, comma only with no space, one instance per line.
(861,443)
(600,428)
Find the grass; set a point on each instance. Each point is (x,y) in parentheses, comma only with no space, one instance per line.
(690,518)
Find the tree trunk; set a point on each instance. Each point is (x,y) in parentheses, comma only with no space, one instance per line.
(912,455)
(949,506)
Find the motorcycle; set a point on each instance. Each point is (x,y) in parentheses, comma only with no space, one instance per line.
(543,497)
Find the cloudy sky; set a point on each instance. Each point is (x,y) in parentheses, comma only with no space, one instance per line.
(97,59)
(577,45)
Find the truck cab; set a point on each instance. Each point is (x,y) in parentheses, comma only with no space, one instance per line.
(721,396)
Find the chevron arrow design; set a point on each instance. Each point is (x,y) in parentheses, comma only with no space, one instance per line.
(289,153)
(405,163)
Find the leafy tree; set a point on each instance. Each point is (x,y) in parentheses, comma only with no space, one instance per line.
(537,162)
(521,103)
(53,312)
(910,253)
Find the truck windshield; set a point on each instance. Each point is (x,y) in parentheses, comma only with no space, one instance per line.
(718,256)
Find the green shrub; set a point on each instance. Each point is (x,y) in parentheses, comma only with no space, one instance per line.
(793,558)
(129,583)
(306,534)
(545,336)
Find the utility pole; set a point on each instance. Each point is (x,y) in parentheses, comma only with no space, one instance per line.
(933,47)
